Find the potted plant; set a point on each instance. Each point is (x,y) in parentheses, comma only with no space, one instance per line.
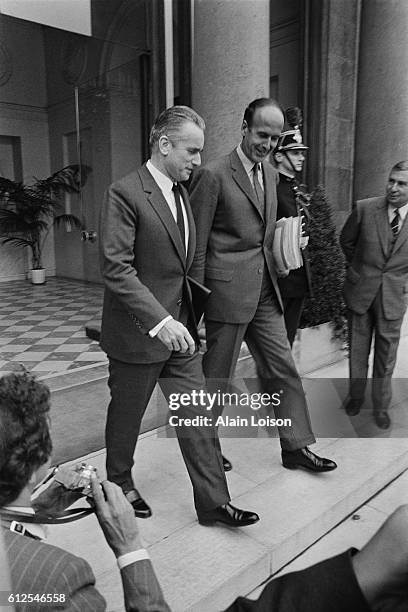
(28,212)
(323,325)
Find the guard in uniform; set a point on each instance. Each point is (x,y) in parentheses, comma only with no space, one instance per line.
(289,156)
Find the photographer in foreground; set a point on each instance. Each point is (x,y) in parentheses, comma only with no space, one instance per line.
(37,567)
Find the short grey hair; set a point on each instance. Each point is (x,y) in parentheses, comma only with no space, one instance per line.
(401,166)
(169,122)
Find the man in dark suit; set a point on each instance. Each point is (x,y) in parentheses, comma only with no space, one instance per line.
(234,206)
(149,333)
(375,243)
(289,156)
(37,567)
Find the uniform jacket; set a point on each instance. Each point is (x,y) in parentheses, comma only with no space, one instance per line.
(144,267)
(298,282)
(234,238)
(373,264)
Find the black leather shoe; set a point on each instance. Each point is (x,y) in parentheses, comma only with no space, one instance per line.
(303,458)
(228,515)
(142,510)
(227,464)
(381,418)
(353,407)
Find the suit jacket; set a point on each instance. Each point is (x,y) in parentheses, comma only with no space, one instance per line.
(298,282)
(234,237)
(144,266)
(329,585)
(373,263)
(37,567)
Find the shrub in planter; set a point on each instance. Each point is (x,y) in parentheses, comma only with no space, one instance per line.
(27,212)
(327,267)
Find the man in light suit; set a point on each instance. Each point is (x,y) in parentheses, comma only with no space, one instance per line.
(37,567)
(149,331)
(375,243)
(234,206)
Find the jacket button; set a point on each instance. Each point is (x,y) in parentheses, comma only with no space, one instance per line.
(259,270)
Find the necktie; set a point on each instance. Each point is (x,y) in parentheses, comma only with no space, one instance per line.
(258,189)
(395,222)
(180,219)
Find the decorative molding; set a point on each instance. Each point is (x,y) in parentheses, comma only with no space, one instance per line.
(6,64)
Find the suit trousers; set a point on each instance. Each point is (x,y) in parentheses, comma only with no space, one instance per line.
(292,307)
(131,386)
(268,344)
(386,334)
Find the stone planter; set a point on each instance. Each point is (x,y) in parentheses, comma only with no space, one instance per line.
(38,276)
(315,348)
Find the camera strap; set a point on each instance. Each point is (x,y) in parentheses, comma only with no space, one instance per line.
(63,517)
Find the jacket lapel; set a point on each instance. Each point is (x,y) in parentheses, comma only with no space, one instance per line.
(157,200)
(402,236)
(271,202)
(381,220)
(242,180)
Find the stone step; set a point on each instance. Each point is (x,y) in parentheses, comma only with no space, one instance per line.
(205,568)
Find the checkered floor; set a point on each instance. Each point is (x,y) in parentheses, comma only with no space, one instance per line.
(43,327)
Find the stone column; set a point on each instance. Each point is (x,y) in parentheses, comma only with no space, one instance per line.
(382,125)
(230,66)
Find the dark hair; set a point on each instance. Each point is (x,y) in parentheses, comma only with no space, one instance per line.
(401,166)
(170,121)
(260,103)
(25,442)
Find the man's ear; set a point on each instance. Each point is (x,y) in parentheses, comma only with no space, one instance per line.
(164,145)
(244,128)
(278,157)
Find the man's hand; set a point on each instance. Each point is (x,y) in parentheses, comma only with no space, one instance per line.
(116,517)
(176,337)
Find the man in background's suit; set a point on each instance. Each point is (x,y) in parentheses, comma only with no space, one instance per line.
(375,243)
(148,328)
(234,206)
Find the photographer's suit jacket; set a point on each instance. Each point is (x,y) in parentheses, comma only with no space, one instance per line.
(372,266)
(37,567)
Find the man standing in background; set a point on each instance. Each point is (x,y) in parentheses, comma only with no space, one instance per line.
(374,240)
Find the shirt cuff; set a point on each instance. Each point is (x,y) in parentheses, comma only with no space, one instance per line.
(153,332)
(132,557)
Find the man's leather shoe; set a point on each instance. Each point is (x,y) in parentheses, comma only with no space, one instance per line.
(228,515)
(142,510)
(353,407)
(381,418)
(227,464)
(304,458)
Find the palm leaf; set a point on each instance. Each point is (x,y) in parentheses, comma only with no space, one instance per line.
(17,241)
(66,180)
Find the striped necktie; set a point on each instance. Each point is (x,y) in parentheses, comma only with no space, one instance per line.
(395,222)
(258,189)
